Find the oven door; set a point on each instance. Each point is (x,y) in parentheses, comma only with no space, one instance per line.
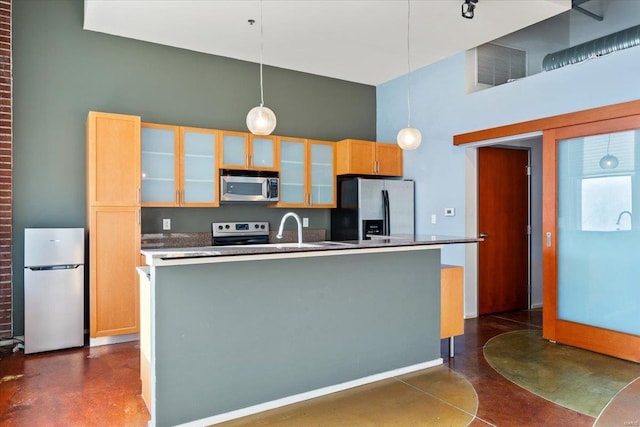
(239,240)
(244,189)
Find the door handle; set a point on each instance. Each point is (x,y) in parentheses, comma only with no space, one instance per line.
(483,235)
(548,235)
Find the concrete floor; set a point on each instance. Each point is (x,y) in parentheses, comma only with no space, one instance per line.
(100,387)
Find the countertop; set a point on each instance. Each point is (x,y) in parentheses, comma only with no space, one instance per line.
(208,254)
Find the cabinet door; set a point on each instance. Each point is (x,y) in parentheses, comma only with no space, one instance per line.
(199,172)
(293,190)
(113,159)
(160,165)
(322,176)
(235,150)
(114,251)
(356,157)
(389,158)
(263,153)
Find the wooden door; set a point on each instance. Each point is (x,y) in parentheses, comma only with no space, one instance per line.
(389,158)
(567,244)
(503,203)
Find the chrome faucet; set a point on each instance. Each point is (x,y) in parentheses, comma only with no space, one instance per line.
(298,220)
(620,216)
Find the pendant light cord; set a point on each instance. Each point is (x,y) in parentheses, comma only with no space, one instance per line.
(261,48)
(408,62)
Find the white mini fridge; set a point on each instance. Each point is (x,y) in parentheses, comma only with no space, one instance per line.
(53,288)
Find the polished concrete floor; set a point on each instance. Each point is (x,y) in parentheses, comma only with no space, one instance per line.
(100,387)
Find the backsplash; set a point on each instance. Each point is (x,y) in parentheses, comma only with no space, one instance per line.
(189,240)
(198,220)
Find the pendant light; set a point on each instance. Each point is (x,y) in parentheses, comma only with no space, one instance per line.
(608,161)
(261,120)
(409,138)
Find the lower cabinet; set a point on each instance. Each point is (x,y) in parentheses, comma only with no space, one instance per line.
(114,253)
(451,301)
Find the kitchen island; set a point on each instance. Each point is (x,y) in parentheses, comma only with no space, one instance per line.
(231,331)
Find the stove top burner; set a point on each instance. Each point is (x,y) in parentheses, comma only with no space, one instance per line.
(239,233)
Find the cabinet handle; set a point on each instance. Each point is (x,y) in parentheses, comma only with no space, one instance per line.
(139,216)
(138,196)
(548,235)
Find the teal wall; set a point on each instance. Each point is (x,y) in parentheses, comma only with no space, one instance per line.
(62,71)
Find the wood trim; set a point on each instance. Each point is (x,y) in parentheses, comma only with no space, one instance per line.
(549,225)
(618,344)
(576,118)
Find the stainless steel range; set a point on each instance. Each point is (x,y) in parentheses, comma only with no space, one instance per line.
(239,233)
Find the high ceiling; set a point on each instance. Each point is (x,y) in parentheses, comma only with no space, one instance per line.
(361,41)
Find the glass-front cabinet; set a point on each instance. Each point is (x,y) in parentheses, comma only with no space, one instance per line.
(178,166)
(246,151)
(159,164)
(307,173)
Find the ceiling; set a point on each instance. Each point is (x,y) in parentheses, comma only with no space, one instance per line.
(362,41)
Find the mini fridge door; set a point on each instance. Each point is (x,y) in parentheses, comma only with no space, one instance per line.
(53,309)
(53,246)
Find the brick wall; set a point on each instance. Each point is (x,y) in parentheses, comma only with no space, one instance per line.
(6,168)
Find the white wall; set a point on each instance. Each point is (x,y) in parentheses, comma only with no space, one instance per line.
(441,109)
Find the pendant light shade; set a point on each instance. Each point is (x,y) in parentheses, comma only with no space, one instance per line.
(409,138)
(608,161)
(261,120)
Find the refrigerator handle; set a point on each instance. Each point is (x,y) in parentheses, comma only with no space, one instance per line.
(385,206)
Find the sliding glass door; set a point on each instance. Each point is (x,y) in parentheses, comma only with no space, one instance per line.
(592,236)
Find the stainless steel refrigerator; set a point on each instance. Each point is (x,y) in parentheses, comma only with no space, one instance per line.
(53,288)
(378,207)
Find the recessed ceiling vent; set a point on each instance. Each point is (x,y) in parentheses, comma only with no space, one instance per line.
(602,46)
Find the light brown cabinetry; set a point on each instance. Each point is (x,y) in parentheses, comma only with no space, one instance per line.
(179,166)
(240,150)
(307,173)
(451,301)
(357,157)
(113,216)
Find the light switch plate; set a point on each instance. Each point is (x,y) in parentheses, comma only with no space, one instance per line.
(305,222)
(166,224)
(433,218)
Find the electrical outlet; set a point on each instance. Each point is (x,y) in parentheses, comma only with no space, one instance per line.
(449,212)
(305,222)
(166,224)
(433,218)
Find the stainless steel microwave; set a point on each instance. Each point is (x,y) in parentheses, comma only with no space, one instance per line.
(245,188)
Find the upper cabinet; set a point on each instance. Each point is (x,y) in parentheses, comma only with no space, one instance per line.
(113,159)
(179,166)
(241,150)
(307,177)
(356,157)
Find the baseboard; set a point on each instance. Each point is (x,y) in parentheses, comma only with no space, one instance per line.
(7,342)
(113,339)
(216,419)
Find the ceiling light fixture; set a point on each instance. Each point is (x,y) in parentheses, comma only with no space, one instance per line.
(609,161)
(468,7)
(409,138)
(261,120)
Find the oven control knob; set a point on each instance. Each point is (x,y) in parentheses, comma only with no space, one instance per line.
(262,226)
(219,227)
(256,226)
(226,226)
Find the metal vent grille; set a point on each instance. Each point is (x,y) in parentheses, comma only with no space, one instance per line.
(499,64)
